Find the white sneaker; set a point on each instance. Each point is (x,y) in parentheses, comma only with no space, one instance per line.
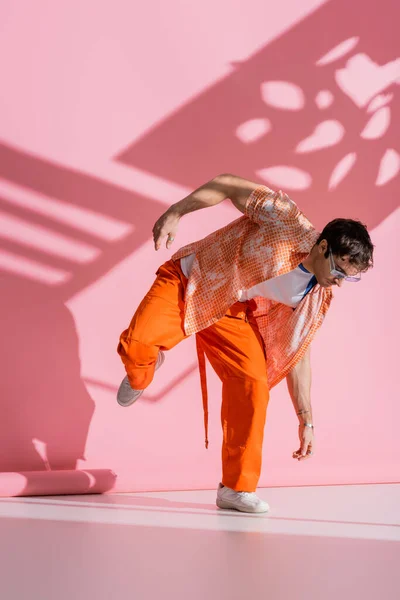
(126,394)
(243,501)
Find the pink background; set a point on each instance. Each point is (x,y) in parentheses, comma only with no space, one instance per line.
(111,112)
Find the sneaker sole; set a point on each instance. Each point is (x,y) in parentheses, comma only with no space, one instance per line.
(225,504)
(130,402)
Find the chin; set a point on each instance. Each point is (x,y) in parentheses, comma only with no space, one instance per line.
(324,283)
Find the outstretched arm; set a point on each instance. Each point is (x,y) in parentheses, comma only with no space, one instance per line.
(211,193)
(299,386)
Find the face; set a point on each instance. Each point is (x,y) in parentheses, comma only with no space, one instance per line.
(323,267)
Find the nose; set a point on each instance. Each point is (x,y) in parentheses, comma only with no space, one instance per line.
(339,282)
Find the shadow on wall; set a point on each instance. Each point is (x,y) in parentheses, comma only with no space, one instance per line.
(46,410)
(294,115)
(45,407)
(314,113)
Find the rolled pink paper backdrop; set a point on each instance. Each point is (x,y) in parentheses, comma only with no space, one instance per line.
(52,483)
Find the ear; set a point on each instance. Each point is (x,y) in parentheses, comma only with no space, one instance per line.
(323,246)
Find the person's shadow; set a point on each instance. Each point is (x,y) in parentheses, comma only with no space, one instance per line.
(45,407)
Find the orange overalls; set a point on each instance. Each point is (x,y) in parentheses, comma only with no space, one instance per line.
(235,349)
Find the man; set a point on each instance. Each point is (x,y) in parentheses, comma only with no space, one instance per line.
(254,293)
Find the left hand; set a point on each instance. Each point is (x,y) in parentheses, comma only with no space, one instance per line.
(306,436)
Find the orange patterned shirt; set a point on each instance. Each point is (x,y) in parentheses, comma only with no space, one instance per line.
(271,239)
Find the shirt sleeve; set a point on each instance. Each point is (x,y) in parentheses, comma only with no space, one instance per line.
(264,206)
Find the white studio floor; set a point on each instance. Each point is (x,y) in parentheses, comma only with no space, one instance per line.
(324,542)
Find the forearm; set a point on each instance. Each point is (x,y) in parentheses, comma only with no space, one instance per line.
(299,386)
(215,191)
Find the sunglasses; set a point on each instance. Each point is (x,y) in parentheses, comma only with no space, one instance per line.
(341,274)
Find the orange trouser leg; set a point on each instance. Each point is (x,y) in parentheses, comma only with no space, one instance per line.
(157,324)
(235,349)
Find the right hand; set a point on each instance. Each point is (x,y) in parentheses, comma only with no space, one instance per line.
(165,226)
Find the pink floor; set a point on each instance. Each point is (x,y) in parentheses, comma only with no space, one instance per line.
(322,543)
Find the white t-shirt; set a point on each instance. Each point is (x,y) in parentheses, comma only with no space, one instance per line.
(288,289)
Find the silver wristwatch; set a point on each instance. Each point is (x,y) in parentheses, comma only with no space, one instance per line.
(308,425)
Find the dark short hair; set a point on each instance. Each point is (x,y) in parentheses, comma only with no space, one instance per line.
(347,237)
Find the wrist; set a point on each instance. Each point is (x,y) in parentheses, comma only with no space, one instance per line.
(306,423)
(177,209)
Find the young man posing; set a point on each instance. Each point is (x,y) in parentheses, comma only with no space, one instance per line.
(254,293)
